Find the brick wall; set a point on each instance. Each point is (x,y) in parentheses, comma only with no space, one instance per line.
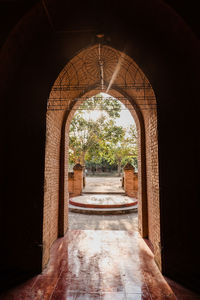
(153,184)
(52,181)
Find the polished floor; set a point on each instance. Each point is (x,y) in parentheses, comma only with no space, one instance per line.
(101,257)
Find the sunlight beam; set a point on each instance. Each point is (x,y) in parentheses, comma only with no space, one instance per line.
(117,69)
(101,69)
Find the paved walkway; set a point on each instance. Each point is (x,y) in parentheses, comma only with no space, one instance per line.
(127,222)
(103,185)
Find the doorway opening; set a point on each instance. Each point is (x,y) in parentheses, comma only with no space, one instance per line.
(103,139)
(101,69)
(102,176)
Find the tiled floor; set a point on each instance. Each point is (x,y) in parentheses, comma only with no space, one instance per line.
(112,262)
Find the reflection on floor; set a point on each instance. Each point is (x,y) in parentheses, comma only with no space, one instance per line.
(112,262)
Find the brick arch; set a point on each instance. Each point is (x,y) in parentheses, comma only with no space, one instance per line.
(139,97)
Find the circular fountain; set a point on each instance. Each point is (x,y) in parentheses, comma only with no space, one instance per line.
(103,203)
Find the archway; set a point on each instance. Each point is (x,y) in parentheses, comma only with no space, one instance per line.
(96,69)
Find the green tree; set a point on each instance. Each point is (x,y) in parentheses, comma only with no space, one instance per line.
(101,140)
(85,136)
(122,150)
(109,105)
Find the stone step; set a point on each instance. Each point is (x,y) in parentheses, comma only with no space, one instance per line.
(104,193)
(101,211)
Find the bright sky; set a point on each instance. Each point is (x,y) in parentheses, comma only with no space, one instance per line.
(125,119)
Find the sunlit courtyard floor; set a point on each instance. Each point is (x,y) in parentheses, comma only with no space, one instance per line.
(126,222)
(103,185)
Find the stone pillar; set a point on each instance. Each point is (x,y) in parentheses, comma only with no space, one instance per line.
(130,181)
(78,180)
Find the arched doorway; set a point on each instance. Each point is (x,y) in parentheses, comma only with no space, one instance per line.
(96,69)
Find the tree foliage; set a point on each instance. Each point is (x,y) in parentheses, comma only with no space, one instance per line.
(101,140)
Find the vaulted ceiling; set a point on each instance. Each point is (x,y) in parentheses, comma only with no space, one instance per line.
(11,11)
